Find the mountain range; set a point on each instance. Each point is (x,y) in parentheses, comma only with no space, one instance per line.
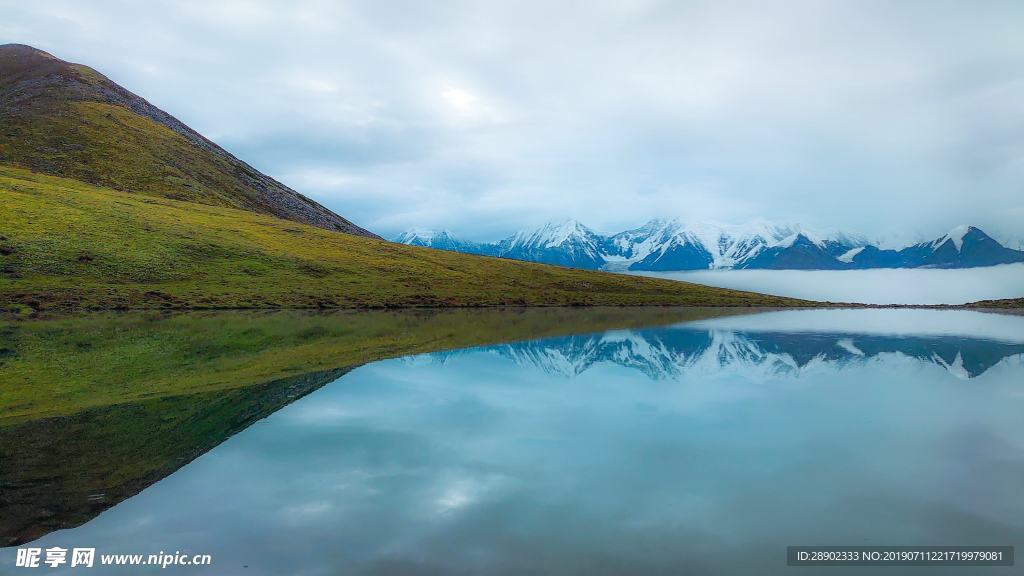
(673,245)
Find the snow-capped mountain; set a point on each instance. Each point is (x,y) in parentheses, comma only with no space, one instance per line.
(443,240)
(670,245)
(962,247)
(801,250)
(567,243)
(663,245)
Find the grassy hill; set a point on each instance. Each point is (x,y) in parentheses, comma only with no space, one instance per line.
(67,244)
(69,120)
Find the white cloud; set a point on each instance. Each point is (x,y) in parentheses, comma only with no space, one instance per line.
(312,83)
(321,180)
(484,117)
(459,100)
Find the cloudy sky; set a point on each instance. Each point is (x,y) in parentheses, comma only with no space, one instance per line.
(485,117)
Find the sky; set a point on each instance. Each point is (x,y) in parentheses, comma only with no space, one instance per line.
(883,118)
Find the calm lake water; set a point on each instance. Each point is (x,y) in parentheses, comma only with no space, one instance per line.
(704,447)
(912,286)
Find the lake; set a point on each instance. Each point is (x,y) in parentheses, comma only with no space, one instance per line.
(656,441)
(894,286)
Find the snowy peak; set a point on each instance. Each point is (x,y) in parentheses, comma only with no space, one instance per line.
(638,242)
(798,237)
(826,240)
(663,245)
(416,237)
(425,237)
(956,236)
(565,243)
(554,234)
(963,247)
(443,240)
(667,245)
(800,250)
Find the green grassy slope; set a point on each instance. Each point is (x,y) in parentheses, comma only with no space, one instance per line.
(69,120)
(66,244)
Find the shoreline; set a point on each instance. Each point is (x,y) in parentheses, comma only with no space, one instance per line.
(1010,306)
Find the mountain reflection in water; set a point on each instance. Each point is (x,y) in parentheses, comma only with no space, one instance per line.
(703,447)
(671,352)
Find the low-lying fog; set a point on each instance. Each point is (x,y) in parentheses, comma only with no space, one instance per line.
(901,286)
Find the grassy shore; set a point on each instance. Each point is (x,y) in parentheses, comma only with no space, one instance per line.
(65,244)
(1010,304)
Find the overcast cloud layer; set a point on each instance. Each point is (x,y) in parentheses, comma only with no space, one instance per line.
(484,117)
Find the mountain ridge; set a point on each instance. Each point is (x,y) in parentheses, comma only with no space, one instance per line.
(674,245)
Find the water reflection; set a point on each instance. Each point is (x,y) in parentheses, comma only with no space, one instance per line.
(672,352)
(701,448)
(95,408)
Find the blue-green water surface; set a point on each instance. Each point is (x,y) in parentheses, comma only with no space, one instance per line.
(699,448)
